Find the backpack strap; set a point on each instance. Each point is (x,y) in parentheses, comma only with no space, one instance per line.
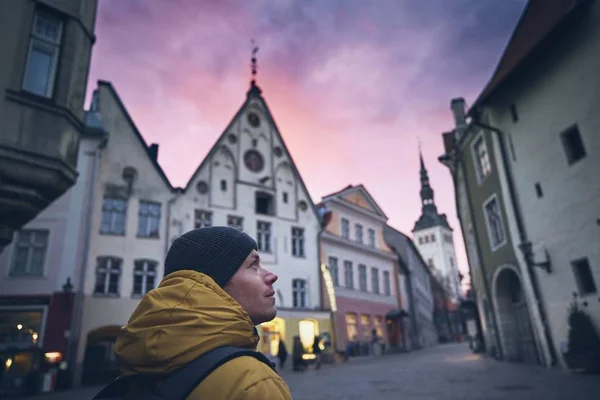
(183,381)
(117,389)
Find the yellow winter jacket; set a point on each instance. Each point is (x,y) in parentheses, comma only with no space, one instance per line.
(186,316)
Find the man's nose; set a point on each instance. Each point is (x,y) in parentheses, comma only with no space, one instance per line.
(270,277)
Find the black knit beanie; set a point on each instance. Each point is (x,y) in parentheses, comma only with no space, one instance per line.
(217,251)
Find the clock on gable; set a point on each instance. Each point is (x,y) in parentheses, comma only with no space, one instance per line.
(254,161)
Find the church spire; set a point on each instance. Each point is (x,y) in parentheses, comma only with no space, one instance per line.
(427,196)
(429,213)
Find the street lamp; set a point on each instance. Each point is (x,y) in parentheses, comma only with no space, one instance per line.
(527,249)
(68,286)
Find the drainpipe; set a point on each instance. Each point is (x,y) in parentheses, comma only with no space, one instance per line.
(73,342)
(486,284)
(522,237)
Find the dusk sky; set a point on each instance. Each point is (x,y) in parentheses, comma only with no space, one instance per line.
(352,85)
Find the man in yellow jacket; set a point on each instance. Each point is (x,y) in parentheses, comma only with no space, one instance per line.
(213,294)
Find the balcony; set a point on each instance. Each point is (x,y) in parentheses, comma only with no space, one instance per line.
(42,87)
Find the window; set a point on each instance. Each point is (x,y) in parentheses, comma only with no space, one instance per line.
(284,196)
(433,238)
(348,274)
(345,228)
(223,185)
(481,158)
(29,253)
(298,242)
(494,223)
(351,330)
(263,236)
(584,276)
(235,222)
(114,216)
(365,324)
(202,219)
(371,237)
(334,270)
(430,262)
(149,219)
(144,277)
(574,148)
(387,290)
(359,233)
(362,277)
(420,240)
(427,239)
(264,204)
(43,54)
(299,293)
(375,280)
(108,272)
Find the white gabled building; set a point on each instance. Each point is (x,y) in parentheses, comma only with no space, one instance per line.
(249,181)
(126,246)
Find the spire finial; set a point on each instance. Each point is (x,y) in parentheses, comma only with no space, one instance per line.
(421,154)
(254,65)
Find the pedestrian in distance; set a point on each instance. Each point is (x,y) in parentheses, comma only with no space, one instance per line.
(282,354)
(298,362)
(317,352)
(194,336)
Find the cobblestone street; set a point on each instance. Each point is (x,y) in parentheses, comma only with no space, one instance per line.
(444,372)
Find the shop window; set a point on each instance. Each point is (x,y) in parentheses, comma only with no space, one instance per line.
(351,330)
(365,324)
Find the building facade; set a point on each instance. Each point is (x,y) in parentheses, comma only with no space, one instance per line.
(127,236)
(249,181)
(46,51)
(39,281)
(362,269)
(419,326)
(542,145)
(433,237)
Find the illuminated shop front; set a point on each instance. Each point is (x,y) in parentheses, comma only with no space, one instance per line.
(33,343)
(21,349)
(291,322)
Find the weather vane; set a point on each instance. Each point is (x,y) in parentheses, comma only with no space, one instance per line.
(254,66)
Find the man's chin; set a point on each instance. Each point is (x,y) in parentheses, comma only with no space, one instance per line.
(266,317)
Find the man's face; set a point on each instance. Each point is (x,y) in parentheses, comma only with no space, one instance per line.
(252,287)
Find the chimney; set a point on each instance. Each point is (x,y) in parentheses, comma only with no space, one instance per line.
(457,106)
(448,141)
(153,152)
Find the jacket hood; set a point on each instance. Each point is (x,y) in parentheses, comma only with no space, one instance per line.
(185,317)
